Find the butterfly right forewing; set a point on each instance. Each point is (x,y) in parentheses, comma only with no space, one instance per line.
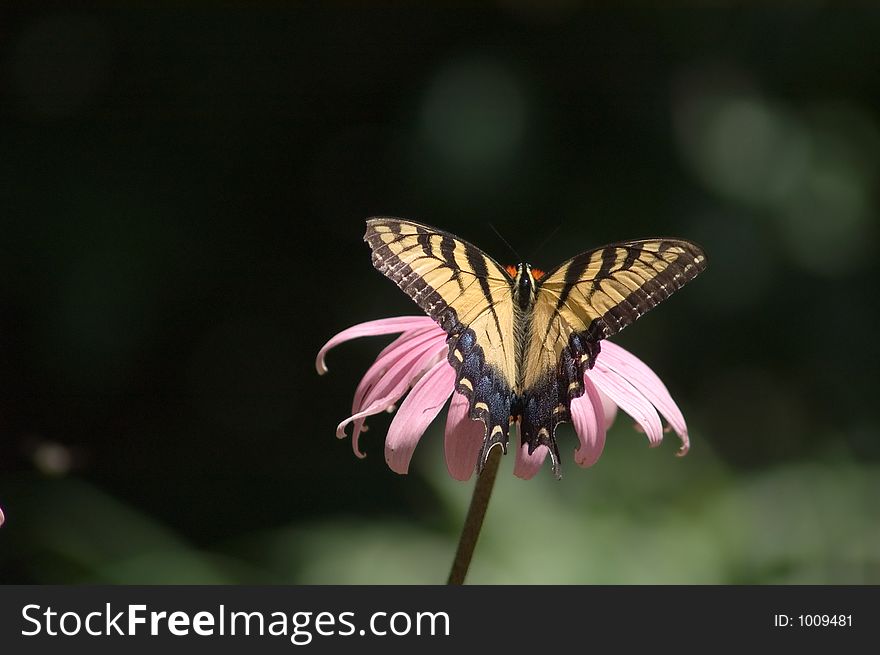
(589,298)
(602,291)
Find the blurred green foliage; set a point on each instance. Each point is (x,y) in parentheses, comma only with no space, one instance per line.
(643,517)
(183,195)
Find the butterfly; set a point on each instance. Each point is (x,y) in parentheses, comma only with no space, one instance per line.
(520,339)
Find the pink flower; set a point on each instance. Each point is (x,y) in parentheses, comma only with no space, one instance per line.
(416,362)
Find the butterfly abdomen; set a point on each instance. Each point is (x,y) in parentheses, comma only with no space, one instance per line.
(541,412)
(523,290)
(547,401)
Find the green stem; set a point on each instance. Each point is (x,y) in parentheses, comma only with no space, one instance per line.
(474,520)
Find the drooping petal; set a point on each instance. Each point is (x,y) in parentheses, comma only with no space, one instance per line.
(588,417)
(429,327)
(526,466)
(416,412)
(383,403)
(628,398)
(649,385)
(464,438)
(609,408)
(370,328)
(389,387)
(403,350)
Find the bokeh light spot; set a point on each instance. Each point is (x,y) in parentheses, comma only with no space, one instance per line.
(53,458)
(826,224)
(736,142)
(473,115)
(809,173)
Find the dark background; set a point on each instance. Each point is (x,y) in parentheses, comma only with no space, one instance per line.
(183,196)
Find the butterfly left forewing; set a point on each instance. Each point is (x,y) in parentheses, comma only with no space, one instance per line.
(587,299)
(470,297)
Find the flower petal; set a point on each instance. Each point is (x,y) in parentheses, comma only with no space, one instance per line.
(628,398)
(526,466)
(464,438)
(609,408)
(388,389)
(649,385)
(391,359)
(370,328)
(588,417)
(429,327)
(421,407)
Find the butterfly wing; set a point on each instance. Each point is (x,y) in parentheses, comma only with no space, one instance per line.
(470,297)
(589,298)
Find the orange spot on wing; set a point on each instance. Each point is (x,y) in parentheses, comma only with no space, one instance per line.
(511,270)
(537,273)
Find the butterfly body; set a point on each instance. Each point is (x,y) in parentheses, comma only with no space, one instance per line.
(520,340)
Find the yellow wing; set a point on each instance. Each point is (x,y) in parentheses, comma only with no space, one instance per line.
(470,296)
(604,290)
(581,302)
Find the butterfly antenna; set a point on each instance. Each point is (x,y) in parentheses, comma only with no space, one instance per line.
(544,241)
(506,243)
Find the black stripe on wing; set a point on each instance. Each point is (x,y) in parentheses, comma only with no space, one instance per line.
(656,278)
(411,242)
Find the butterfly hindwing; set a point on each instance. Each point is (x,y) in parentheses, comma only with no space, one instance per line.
(470,297)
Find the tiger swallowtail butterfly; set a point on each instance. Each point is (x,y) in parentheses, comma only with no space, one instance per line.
(519,339)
